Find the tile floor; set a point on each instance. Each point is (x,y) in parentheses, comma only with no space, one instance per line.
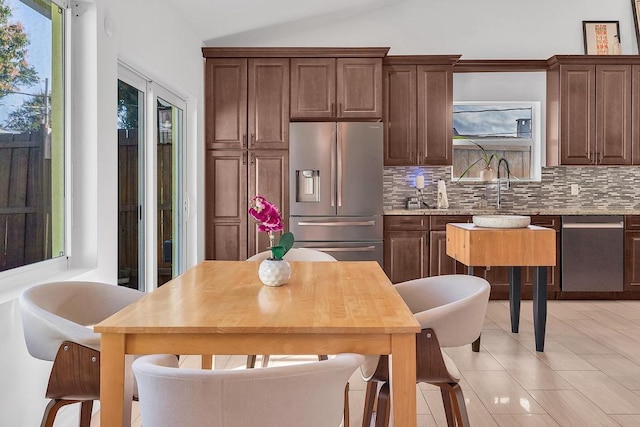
(588,375)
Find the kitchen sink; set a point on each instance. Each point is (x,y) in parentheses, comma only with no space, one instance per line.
(501,221)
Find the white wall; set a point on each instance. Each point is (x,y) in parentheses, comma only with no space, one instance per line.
(475,29)
(149,37)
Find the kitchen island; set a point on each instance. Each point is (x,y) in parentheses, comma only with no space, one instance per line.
(514,248)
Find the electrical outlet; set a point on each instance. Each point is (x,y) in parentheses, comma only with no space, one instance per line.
(575,189)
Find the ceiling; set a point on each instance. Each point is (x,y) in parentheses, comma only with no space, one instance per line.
(218,19)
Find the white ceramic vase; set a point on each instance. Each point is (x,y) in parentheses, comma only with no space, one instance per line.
(274,272)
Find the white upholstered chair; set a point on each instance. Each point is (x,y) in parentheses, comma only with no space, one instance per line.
(294,254)
(57,319)
(451,312)
(309,394)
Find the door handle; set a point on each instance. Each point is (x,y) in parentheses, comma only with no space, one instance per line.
(339,155)
(333,169)
(337,223)
(350,249)
(600,225)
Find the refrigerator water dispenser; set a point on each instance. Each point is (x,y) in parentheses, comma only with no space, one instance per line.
(307,185)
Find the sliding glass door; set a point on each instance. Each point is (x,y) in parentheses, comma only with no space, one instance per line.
(169,200)
(151,135)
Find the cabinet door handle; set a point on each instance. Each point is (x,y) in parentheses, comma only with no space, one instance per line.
(243,142)
(244,158)
(340,109)
(253,139)
(253,158)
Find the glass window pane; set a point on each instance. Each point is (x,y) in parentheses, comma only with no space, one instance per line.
(169,134)
(130,143)
(483,133)
(31,132)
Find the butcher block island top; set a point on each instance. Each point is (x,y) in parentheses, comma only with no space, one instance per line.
(479,246)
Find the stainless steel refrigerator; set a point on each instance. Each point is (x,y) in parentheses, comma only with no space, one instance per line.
(336,188)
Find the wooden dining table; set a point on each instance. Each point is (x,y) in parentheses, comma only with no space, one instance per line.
(221,307)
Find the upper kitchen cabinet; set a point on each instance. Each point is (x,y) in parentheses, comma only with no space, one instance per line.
(589,110)
(418,110)
(247,103)
(336,84)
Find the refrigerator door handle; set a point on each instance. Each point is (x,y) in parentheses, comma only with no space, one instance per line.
(346,249)
(336,223)
(339,155)
(333,169)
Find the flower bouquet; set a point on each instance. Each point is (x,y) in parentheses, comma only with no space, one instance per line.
(273,271)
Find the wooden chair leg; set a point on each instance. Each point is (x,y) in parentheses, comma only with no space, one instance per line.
(369,402)
(265,360)
(475,346)
(459,406)
(51,410)
(345,422)
(85,413)
(383,411)
(251,361)
(448,409)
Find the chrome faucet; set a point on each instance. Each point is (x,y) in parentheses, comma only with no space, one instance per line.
(506,167)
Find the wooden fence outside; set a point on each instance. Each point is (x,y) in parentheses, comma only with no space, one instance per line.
(25,200)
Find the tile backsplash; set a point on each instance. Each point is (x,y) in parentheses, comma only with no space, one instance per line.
(600,187)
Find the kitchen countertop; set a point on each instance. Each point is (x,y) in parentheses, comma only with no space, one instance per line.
(528,211)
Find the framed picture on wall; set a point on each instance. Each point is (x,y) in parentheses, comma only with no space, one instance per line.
(601,37)
(635,5)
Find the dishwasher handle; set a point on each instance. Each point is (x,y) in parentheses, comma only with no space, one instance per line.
(594,225)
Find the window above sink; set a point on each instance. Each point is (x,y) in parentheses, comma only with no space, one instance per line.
(510,130)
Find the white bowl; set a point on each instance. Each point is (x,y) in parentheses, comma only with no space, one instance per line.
(501,221)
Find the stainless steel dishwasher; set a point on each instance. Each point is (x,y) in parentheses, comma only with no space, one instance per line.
(592,253)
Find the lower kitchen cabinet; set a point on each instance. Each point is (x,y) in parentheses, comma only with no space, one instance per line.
(406,247)
(415,246)
(632,253)
(439,262)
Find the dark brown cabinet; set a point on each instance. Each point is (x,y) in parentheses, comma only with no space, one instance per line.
(226,103)
(336,88)
(226,205)
(632,253)
(268,176)
(233,178)
(247,103)
(406,247)
(247,140)
(635,114)
(418,108)
(439,262)
(589,114)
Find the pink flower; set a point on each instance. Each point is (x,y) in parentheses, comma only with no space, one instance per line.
(266,213)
